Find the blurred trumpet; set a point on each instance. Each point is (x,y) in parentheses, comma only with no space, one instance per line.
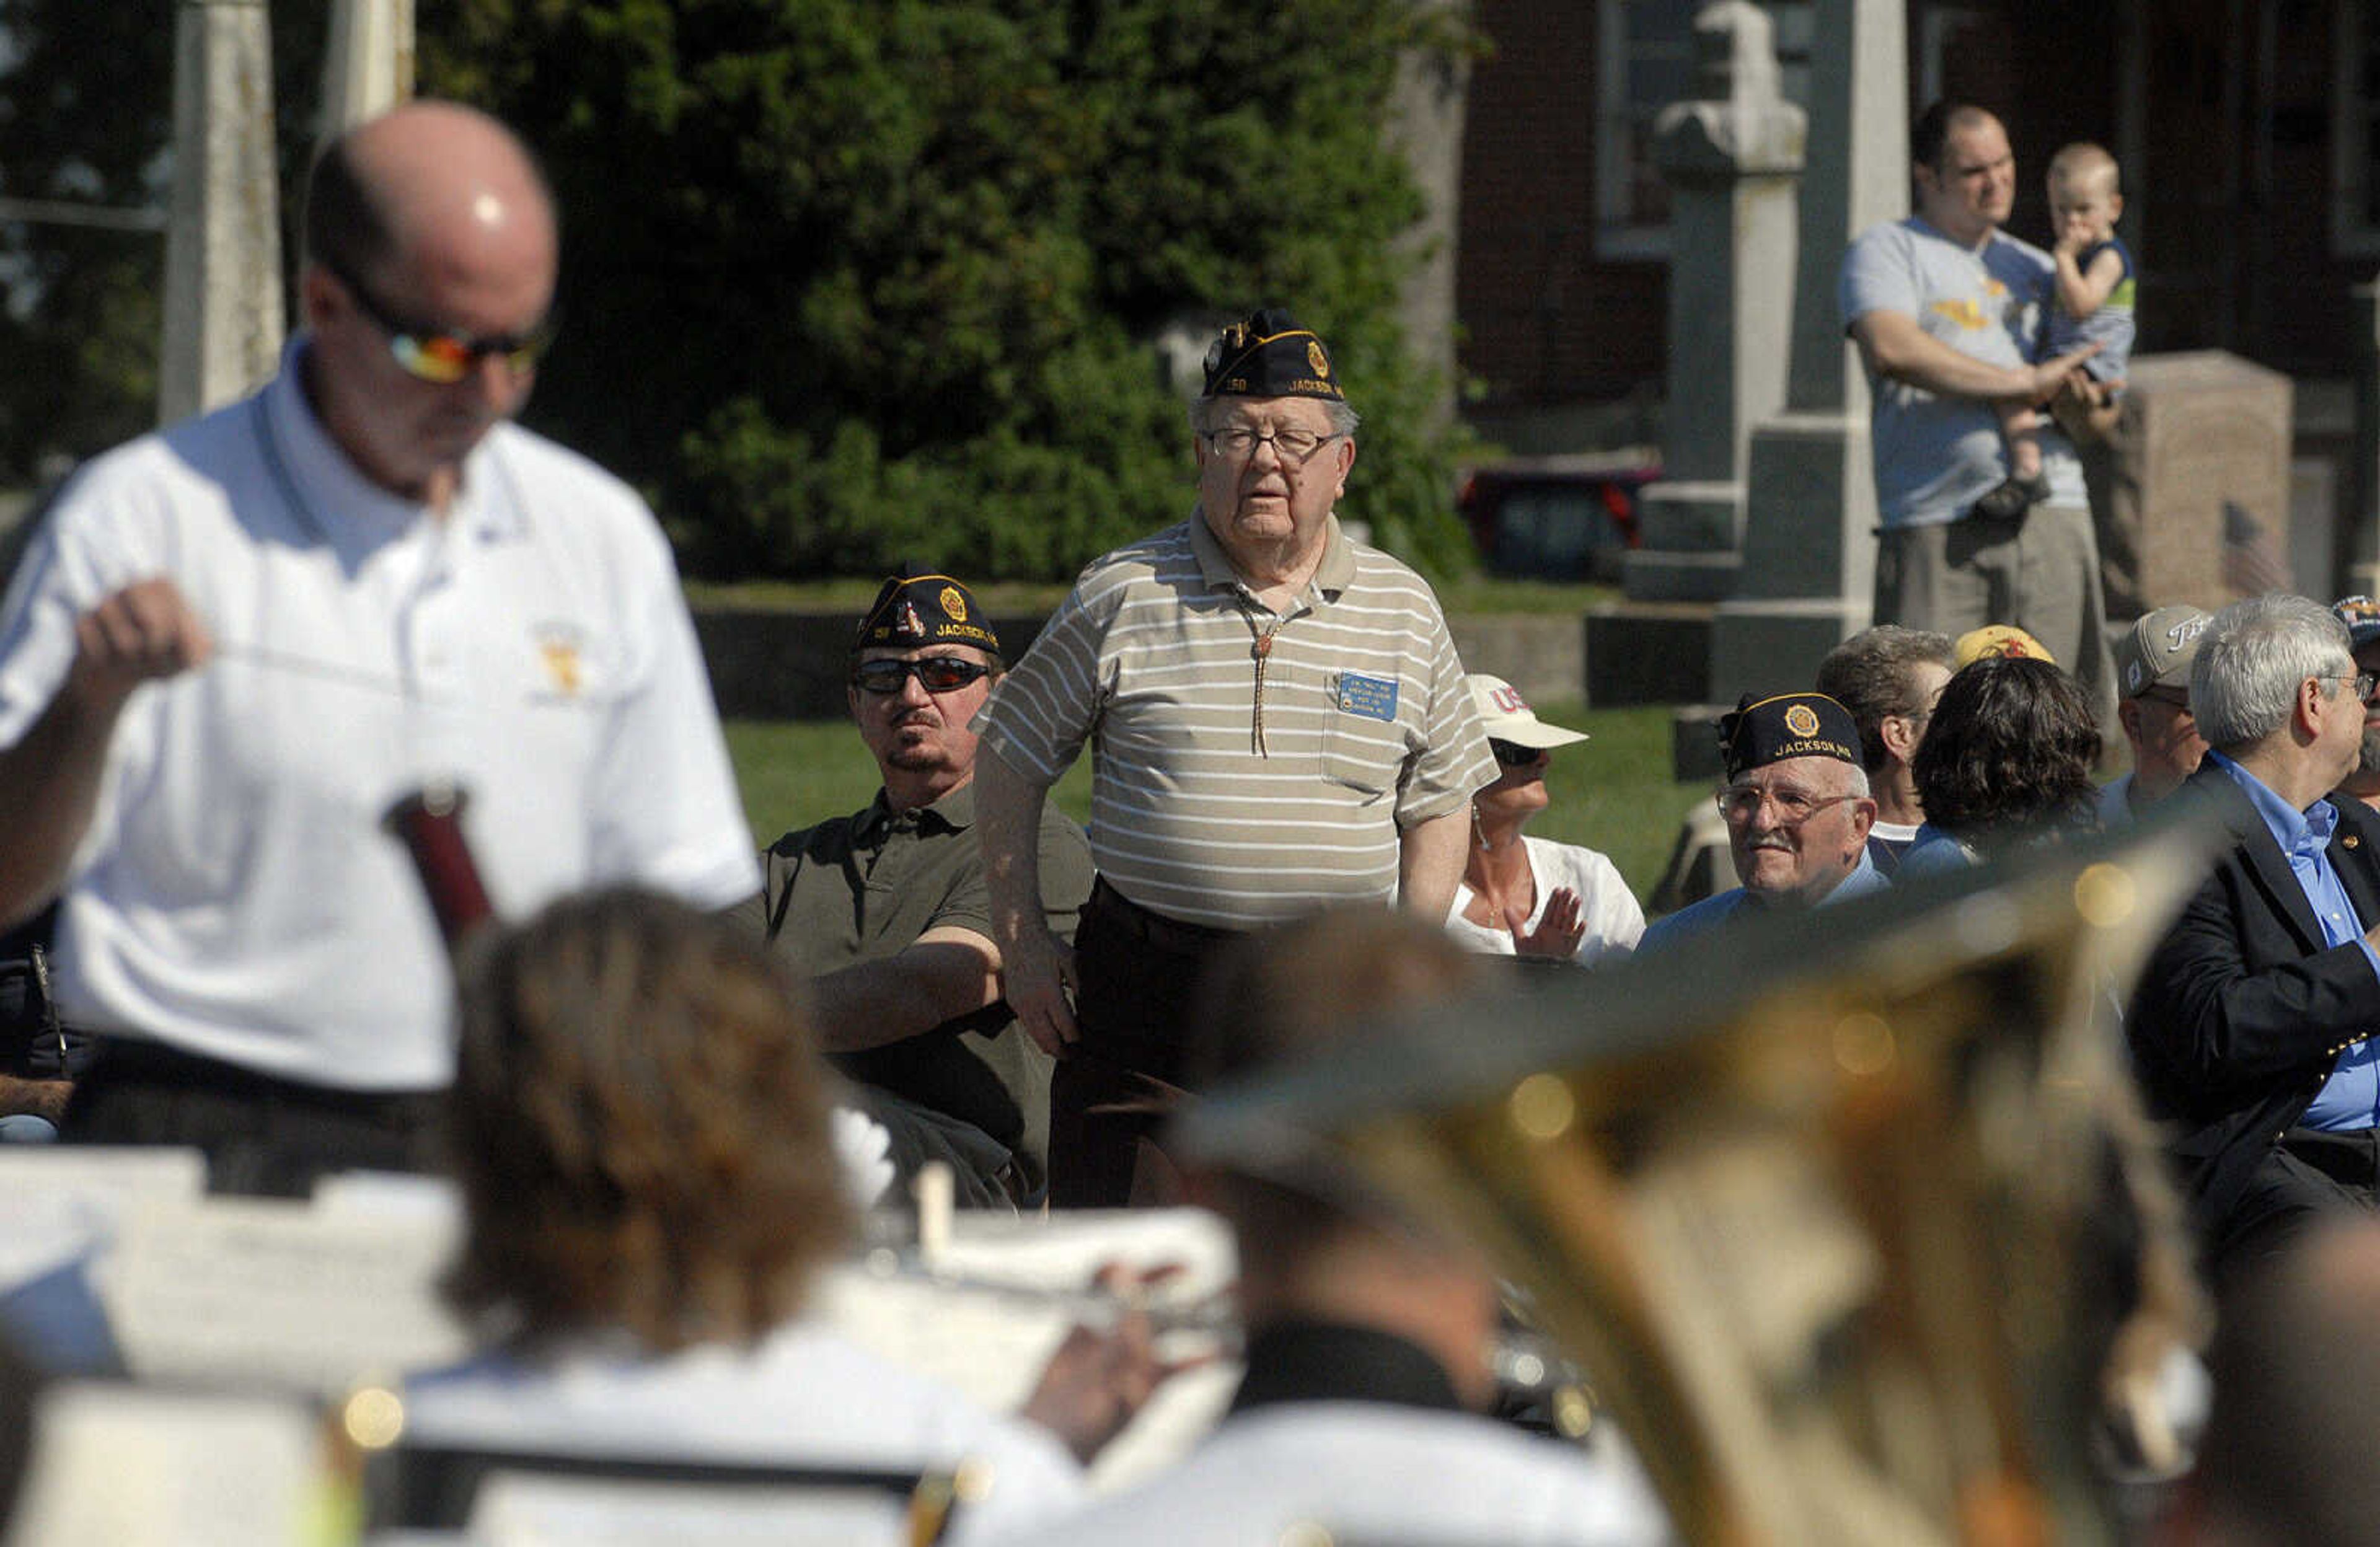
(1851,1217)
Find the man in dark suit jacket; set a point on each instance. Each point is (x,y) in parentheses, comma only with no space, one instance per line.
(2248,1030)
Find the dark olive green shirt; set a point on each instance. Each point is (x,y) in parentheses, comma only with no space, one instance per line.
(863,888)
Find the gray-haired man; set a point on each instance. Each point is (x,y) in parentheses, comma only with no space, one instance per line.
(2248,1032)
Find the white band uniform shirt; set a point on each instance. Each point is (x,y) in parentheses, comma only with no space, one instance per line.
(235,897)
(803,1395)
(1249,767)
(1372,1472)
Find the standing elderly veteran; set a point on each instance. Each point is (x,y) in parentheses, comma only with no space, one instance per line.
(2249,1028)
(1798,813)
(236,642)
(1279,722)
(885,911)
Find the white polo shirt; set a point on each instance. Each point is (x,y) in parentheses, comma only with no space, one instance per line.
(236,897)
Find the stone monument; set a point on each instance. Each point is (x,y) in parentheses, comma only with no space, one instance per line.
(2202,485)
(368,67)
(1425,129)
(1809,559)
(224,318)
(1733,156)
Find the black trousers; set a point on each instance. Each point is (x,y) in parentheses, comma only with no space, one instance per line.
(1136,980)
(2312,1175)
(261,1134)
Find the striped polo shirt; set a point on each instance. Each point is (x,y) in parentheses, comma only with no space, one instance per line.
(1215,804)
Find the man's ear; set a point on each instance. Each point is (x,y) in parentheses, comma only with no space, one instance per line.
(1900,734)
(1863,818)
(850,702)
(2309,706)
(2128,716)
(318,294)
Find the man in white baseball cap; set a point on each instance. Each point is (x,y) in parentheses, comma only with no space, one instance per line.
(1524,897)
(2153,661)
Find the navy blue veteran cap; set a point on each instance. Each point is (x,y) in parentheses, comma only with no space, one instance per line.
(2362,615)
(914,609)
(1270,356)
(1788,725)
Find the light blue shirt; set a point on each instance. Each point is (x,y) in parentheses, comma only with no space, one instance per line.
(2351,1098)
(1690,923)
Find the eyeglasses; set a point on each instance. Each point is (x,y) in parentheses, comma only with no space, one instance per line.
(2365,682)
(1795,807)
(1511,754)
(1295,448)
(443,356)
(935,674)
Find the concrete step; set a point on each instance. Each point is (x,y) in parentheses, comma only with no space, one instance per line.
(1654,575)
(1647,652)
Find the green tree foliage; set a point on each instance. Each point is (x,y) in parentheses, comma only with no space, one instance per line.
(843,280)
(851,279)
(86,117)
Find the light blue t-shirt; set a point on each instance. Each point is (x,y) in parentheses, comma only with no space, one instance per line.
(1934,456)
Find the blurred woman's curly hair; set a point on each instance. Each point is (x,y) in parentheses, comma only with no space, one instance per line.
(639,1127)
(2009,753)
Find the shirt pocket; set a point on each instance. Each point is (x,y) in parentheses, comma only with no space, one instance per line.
(1363,738)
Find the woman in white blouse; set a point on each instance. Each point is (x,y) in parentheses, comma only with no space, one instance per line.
(1531,896)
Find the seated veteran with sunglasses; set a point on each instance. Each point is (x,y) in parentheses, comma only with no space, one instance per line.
(885,910)
(1524,897)
(1798,812)
(236,642)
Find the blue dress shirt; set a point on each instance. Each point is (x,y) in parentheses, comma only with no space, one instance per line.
(2351,1098)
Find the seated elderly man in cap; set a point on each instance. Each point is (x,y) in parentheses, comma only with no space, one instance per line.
(1278,722)
(1798,813)
(2362,615)
(2153,662)
(2250,1027)
(885,910)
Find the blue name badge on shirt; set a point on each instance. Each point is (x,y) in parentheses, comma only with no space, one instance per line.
(1375,698)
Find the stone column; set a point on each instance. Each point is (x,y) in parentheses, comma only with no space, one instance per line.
(1733,156)
(1426,128)
(368,67)
(223,314)
(1809,562)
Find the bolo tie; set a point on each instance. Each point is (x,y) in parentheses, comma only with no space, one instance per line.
(1261,648)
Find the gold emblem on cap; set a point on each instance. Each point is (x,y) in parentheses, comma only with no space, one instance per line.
(1317,359)
(1802,720)
(954,603)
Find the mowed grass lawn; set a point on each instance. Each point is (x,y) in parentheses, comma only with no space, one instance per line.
(1613,793)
